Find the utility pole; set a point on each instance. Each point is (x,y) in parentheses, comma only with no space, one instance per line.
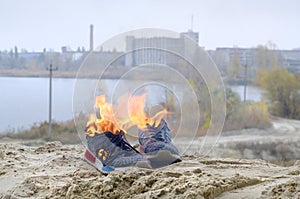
(245,85)
(50,69)
(91,37)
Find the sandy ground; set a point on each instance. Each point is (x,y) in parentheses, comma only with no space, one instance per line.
(52,170)
(279,143)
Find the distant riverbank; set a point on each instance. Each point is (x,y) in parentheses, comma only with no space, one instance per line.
(58,74)
(115,74)
(36,73)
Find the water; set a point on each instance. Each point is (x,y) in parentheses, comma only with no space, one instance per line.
(25,101)
(253,93)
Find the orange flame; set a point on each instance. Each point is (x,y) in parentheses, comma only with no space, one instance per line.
(108,122)
(136,111)
(138,115)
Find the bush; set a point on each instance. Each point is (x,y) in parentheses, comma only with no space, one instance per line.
(282,92)
(257,116)
(60,131)
(238,116)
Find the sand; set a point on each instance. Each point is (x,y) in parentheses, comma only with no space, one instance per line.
(54,170)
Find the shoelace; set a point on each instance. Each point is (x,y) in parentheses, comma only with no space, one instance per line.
(120,141)
(160,133)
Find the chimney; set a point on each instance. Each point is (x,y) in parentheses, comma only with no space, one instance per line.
(91,37)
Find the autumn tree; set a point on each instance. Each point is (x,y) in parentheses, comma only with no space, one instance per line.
(219,58)
(16,53)
(266,57)
(234,66)
(282,91)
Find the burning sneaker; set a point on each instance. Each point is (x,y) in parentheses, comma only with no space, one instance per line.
(106,142)
(107,150)
(157,146)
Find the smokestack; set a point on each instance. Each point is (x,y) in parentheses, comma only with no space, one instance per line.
(91,37)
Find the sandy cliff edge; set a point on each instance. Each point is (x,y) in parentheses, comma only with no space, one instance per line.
(58,171)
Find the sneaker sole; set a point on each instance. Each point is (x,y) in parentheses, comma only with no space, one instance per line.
(163,158)
(93,161)
(143,164)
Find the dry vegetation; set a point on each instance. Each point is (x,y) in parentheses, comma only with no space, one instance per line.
(61,131)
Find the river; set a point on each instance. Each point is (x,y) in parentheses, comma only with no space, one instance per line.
(24,101)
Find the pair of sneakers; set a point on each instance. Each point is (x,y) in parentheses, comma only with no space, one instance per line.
(107,150)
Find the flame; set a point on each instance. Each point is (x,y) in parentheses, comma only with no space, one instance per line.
(130,111)
(138,115)
(136,111)
(106,109)
(91,127)
(106,122)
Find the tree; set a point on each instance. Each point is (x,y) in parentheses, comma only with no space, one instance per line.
(282,92)
(219,58)
(12,61)
(266,57)
(234,66)
(16,53)
(233,103)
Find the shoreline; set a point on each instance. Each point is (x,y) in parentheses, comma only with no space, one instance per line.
(37,74)
(74,75)
(45,74)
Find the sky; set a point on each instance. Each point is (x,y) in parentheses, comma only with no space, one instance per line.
(51,24)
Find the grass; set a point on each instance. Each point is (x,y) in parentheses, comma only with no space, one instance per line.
(64,132)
